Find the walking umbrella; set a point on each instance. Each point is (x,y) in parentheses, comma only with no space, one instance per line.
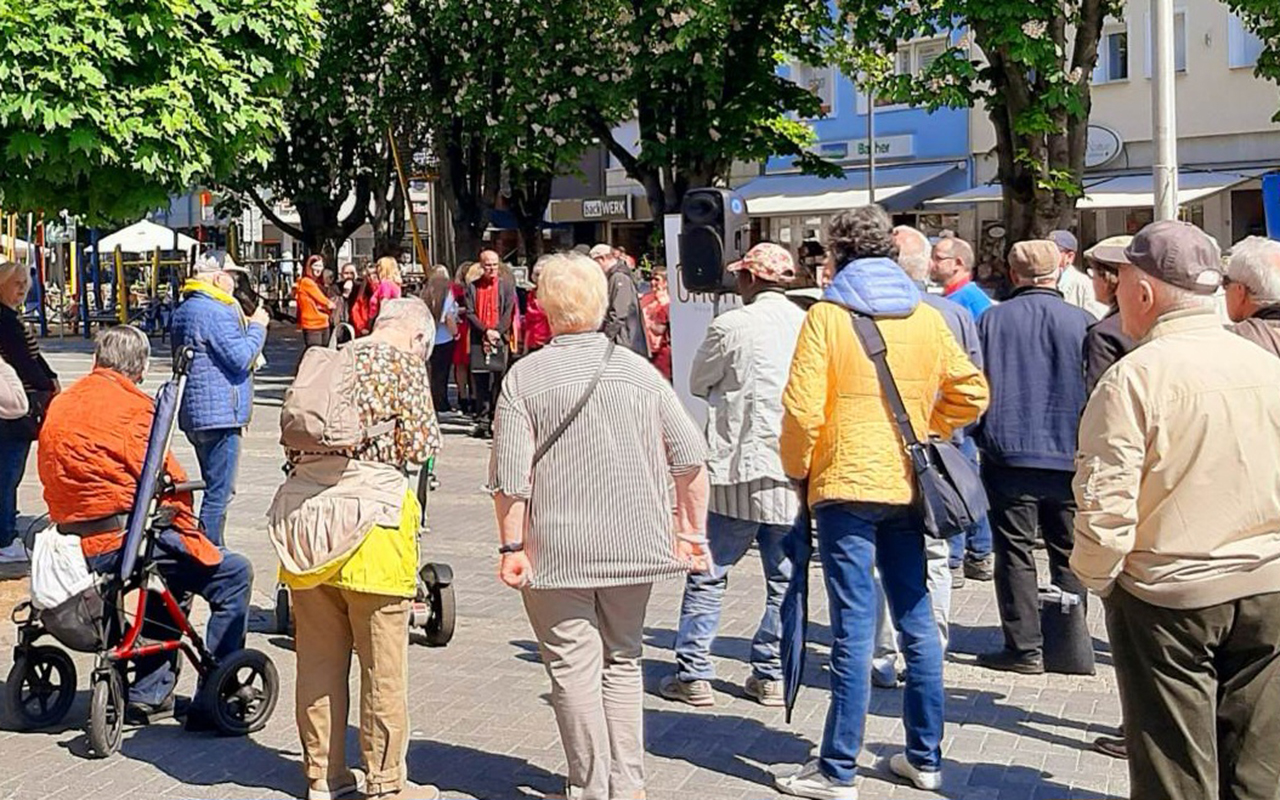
(795,603)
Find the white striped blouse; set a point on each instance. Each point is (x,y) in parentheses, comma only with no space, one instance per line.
(601,500)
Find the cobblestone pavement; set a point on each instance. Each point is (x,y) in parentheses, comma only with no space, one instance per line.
(482,724)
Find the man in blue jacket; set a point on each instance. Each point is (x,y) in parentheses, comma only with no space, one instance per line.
(219,395)
(1031,345)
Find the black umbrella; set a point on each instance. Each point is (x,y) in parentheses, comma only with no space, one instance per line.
(795,603)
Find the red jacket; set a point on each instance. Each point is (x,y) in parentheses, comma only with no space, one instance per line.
(90,456)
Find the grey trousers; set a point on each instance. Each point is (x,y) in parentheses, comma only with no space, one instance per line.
(1200,691)
(886,655)
(590,641)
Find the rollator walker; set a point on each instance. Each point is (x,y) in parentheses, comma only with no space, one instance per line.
(237,694)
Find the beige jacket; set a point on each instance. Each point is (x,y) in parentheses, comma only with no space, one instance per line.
(1178,472)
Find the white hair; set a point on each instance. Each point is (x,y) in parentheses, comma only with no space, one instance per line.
(125,349)
(409,314)
(913,260)
(1255,263)
(1174,298)
(573,292)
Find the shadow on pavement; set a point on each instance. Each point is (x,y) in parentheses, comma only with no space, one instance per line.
(740,747)
(490,776)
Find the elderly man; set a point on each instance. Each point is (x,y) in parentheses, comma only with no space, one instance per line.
(489,307)
(345,597)
(1179,529)
(741,369)
(1076,287)
(952,268)
(219,397)
(92,446)
(622,318)
(1106,342)
(1031,344)
(1253,292)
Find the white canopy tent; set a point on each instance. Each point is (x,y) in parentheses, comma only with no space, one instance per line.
(143,237)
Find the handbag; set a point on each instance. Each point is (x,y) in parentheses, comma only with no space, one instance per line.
(949,497)
(489,359)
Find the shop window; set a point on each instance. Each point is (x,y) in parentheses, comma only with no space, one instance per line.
(1243,45)
(1135,219)
(912,58)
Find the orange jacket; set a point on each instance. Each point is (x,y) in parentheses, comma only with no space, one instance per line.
(313,306)
(90,456)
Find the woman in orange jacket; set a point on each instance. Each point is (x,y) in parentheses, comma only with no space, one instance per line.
(314,306)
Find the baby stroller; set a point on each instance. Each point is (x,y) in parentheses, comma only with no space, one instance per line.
(238,693)
(433,612)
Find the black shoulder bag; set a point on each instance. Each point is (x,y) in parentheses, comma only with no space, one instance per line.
(950,497)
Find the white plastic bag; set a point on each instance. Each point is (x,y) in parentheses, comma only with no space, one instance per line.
(58,569)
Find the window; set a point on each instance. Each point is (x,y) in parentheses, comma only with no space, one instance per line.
(1179,41)
(1243,45)
(914,58)
(1113,55)
(819,80)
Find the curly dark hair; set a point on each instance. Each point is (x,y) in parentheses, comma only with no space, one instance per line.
(865,232)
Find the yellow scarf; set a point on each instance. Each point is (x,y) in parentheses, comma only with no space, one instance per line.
(197,286)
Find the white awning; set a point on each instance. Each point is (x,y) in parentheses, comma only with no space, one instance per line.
(1125,191)
(784,195)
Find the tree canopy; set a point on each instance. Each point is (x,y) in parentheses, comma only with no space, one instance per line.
(107,107)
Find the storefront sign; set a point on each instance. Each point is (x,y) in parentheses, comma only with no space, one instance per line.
(1102,145)
(592,209)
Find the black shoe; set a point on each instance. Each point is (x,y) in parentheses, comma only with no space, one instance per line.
(136,713)
(1009,661)
(980,569)
(1116,748)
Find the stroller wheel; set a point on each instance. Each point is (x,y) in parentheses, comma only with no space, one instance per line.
(284,611)
(240,694)
(439,629)
(41,686)
(106,712)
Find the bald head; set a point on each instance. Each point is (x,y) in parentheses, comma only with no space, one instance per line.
(913,252)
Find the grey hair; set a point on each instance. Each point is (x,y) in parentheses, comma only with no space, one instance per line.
(407,313)
(125,349)
(1174,298)
(865,232)
(574,293)
(914,260)
(1255,263)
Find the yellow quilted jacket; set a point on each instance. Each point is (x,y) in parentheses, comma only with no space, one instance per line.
(837,430)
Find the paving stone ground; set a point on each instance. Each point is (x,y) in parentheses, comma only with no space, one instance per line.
(482,726)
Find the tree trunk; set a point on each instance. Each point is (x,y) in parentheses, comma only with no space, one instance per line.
(530,196)
(470,177)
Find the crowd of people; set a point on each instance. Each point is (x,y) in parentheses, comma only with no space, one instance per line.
(1113,415)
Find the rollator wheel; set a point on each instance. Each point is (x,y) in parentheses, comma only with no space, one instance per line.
(240,694)
(106,712)
(41,687)
(439,629)
(284,611)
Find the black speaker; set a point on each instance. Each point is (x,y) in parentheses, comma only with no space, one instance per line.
(714,232)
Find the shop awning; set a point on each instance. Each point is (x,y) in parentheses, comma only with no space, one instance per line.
(1125,191)
(897,189)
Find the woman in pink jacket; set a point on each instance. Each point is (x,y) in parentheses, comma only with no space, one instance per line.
(389,280)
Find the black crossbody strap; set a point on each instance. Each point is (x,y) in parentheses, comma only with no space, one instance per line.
(873,343)
(577,407)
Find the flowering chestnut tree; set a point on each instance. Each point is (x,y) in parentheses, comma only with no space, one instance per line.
(1028,62)
(107,106)
(1263,18)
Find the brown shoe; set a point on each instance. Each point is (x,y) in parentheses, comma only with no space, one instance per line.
(1116,748)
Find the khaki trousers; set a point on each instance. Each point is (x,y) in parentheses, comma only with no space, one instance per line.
(330,622)
(590,640)
(1200,691)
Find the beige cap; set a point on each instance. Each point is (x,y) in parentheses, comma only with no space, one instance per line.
(1109,251)
(1036,258)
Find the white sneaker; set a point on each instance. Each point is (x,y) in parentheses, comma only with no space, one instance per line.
(15,553)
(928,780)
(808,781)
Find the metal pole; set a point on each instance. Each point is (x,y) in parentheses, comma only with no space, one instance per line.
(871,145)
(1165,112)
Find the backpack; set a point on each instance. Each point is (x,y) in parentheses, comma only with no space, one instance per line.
(319,413)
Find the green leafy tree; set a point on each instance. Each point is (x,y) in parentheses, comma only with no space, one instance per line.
(702,80)
(1032,73)
(1263,18)
(107,107)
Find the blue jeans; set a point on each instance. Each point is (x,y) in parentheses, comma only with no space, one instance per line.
(852,538)
(729,540)
(218,452)
(226,587)
(13,463)
(976,541)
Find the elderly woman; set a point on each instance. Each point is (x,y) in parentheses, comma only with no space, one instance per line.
(39,383)
(357,597)
(588,439)
(838,434)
